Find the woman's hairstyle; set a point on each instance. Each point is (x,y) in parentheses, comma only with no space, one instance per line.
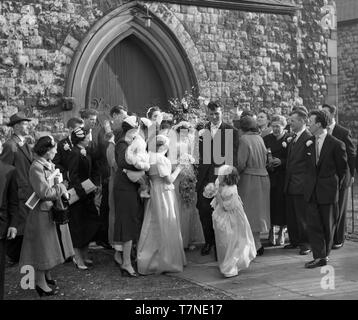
(280,119)
(161,142)
(182,125)
(231,178)
(165,124)
(247,112)
(43,145)
(265,111)
(151,110)
(78,135)
(247,124)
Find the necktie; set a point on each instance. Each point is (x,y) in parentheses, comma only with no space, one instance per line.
(294,138)
(317,150)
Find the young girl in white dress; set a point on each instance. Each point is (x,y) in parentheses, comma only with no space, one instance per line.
(235,243)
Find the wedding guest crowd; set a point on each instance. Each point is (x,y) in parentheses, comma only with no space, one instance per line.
(149,189)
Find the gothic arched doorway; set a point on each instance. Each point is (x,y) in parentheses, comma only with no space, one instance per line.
(122,62)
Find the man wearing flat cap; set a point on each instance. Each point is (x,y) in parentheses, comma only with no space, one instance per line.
(17,152)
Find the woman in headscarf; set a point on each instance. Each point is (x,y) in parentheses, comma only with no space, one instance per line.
(254,184)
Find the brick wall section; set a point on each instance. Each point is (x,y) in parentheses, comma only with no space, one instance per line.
(348,75)
(244,58)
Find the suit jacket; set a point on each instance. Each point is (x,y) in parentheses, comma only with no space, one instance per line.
(19,156)
(324,179)
(209,153)
(344,135)
(8,198)
(64,148)
(296,165)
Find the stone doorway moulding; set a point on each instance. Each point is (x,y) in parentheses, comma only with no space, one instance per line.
(110,30)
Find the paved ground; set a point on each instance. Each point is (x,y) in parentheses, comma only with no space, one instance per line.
(280,274)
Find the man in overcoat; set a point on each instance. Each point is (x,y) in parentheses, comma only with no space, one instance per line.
(8,213)
(17,152)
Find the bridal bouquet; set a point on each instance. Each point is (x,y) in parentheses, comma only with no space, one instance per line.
(188,181)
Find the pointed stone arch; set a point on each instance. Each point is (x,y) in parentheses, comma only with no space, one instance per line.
(122,22)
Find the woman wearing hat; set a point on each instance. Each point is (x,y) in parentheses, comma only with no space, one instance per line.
(160,246)
(128,204)
(254,183)
(84,220)
(41,247)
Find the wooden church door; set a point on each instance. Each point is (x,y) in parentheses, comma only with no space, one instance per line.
(129,75)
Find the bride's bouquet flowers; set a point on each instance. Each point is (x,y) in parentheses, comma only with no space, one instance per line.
(188,181)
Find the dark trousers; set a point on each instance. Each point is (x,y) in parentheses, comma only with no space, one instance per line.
(205,213)
(103,214)
(2,267)
(296,216)
(321,220)
(13,249)
(339,235)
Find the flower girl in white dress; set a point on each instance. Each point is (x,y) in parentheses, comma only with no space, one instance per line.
(235,243)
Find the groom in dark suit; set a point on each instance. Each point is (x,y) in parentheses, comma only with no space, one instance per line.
(17,153)
(326,163)
(218,145)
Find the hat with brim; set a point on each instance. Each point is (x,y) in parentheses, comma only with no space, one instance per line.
(16,118)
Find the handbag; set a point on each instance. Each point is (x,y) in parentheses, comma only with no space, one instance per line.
(60,211)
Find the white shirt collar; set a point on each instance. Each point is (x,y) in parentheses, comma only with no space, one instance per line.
(323,135)
(298,134)
(332,125)
(215,125)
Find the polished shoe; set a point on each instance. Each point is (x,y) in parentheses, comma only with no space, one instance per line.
(260,252)
(290,246)
(11,263)
(51,282)
(88,262)
(272,237)
(81,267)
(206,249)
(126,273)
(41,292)
(337,246)
(304,251)
(316,263)
(104,244)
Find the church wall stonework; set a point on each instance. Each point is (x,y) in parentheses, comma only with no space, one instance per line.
(246,59)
